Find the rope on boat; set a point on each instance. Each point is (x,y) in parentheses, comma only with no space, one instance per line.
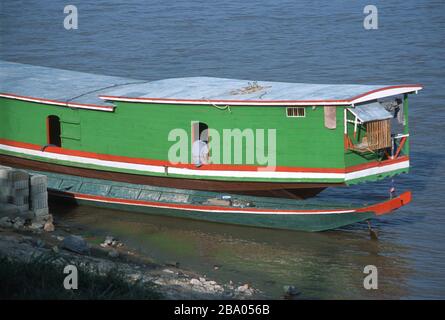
(226,107)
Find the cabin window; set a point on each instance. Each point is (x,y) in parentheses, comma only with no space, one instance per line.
(296,112)
(53,131)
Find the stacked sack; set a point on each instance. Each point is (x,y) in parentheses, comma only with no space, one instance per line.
(4,184)
(14,188)
(39,195)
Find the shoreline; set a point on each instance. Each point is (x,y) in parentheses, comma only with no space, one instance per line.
(22,244)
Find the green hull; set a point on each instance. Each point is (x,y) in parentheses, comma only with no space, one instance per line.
(307,215)
(256,142)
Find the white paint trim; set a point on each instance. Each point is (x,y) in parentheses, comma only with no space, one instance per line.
(59,103)
(385,93)
(167,206)
(227,102)
(381,93)
(376,170)
(209,173)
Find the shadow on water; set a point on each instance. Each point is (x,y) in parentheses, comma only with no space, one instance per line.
(322,265)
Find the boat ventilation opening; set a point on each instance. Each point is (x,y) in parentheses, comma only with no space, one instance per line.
(296,112)
(53,131)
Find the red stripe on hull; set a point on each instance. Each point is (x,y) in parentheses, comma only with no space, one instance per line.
(288,190)
(221,167)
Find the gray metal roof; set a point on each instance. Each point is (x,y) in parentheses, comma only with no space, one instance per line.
(85,88)
(56,84)
(207,88)
(370,112)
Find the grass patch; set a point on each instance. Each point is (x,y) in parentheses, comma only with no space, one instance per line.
(42,278)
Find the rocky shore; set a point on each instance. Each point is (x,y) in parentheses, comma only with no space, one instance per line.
(23,241)
(27,232)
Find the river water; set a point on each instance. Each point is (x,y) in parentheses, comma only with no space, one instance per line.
(295,41)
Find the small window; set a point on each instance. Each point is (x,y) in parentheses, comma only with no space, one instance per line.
(296,112)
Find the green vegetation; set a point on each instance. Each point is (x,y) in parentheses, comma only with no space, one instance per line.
(42,278)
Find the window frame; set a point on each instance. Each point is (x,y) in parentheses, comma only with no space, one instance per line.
(296,116)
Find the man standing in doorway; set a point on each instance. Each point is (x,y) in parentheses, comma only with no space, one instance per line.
(200,152)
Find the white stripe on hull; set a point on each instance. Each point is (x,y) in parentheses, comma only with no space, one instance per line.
(166,206)
(210,173)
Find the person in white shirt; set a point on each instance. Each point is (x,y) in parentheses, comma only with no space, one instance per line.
(200,153)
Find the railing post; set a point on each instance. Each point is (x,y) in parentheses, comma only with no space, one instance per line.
(405,127)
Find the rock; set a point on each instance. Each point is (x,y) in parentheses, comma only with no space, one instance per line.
(174,264)
(113,253)
(76,244)
(168,271)
(18,223)
(195,282)
(109,240)
(291,291)
(60,238)
(5,222)
(36,225)
(40,243)
(243,288)
(48,227)
(55,249)
(202,279)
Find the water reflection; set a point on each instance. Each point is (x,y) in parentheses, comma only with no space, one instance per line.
(322,265)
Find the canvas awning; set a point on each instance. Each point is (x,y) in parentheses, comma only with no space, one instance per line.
(370,112)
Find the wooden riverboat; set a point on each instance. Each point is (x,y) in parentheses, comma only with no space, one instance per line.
(119,129)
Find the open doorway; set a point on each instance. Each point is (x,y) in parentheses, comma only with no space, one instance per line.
(200,131)
(200,139)
(53,131)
